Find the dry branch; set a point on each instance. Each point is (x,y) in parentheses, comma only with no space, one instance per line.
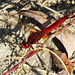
(22,62)
(60,15)
(30,55)
(4,58)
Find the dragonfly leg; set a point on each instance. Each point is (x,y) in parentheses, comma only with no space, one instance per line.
(40,45)
(37,43)
(32,47)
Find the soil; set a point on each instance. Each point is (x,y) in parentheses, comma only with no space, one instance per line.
(13,30)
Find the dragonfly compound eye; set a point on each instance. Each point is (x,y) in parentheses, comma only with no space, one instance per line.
(25,45)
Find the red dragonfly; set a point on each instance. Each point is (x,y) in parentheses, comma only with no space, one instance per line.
(36,36)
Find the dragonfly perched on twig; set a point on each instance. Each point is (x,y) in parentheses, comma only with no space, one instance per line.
(36,36)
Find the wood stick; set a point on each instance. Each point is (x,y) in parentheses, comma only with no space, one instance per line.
(50,9)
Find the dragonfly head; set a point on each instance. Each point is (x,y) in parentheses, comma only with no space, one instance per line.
(25,44)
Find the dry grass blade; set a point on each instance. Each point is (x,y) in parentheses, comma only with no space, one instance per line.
(37,15)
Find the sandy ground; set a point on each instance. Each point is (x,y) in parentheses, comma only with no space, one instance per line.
(15,31)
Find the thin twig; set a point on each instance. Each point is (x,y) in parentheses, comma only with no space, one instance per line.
(22,62)
(40,69)
(57,57)
(60,15)
(4,58)
(44,2)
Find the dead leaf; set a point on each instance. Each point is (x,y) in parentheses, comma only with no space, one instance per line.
(56,61)
(64,58)
(37,15)
(64,73)
(68,42)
